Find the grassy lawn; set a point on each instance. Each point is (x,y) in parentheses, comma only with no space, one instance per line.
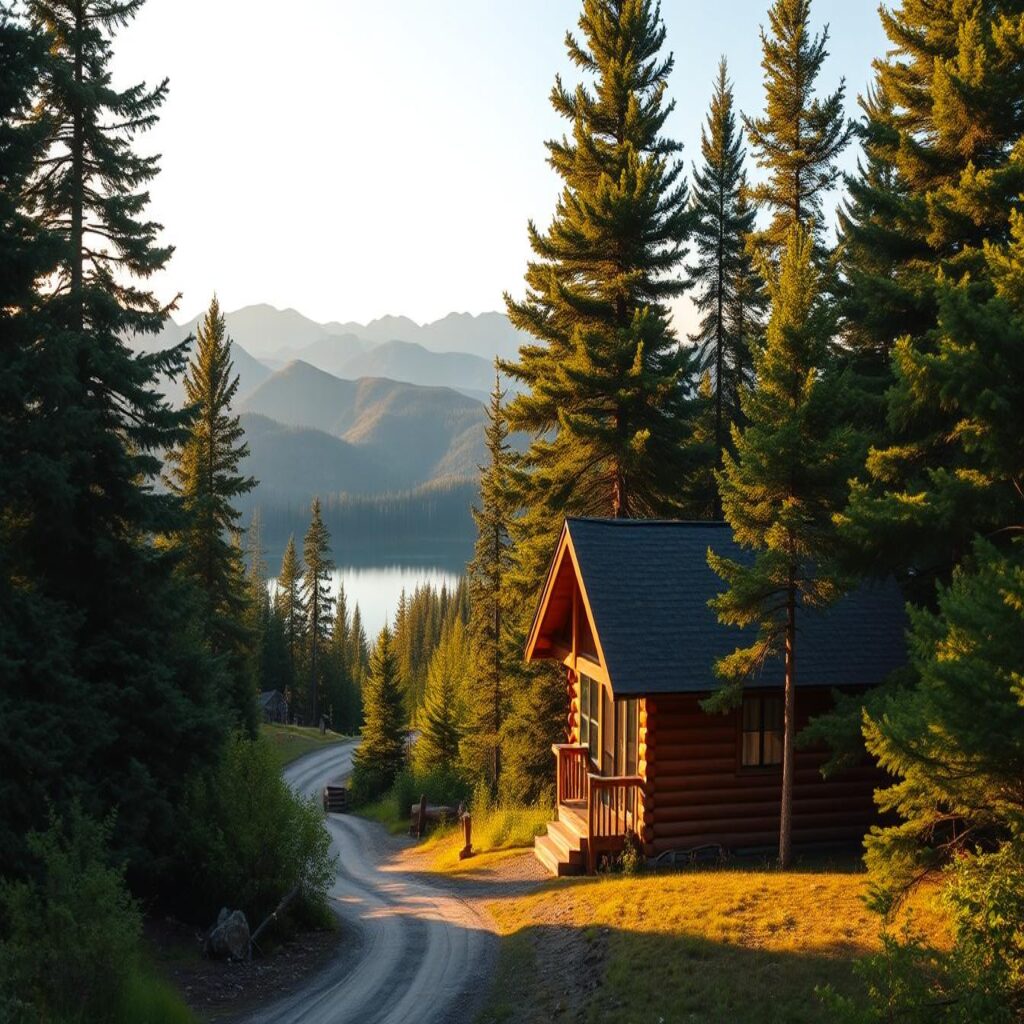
(292,741)
(705,945)
(498,829)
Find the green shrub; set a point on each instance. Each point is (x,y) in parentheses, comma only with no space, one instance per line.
(249,839)
(633,860)
(71,936)
(368,784)
(148,999)
(439,787)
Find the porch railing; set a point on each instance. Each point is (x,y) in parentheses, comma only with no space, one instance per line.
(573,764)
(613,809)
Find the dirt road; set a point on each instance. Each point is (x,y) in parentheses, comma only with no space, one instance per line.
(411,950)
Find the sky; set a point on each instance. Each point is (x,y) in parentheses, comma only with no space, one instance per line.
(352,159)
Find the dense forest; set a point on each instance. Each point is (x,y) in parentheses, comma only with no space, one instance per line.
(852,404)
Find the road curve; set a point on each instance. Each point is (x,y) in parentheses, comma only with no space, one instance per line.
(411,950)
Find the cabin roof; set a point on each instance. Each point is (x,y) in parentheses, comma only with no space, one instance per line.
(647,584)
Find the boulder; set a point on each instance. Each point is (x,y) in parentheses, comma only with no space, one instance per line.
(228,939)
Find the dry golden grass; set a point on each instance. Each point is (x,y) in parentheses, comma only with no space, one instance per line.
(498,833)
(731,945)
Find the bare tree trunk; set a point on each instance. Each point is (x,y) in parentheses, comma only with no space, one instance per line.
(789,729)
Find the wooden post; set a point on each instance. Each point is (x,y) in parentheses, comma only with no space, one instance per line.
(467,833)
(421,824)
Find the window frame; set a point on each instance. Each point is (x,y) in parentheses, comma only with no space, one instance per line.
(762,700)
(590,726)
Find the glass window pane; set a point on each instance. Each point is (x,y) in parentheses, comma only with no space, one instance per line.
(772,714)
(772,747)
(751,755)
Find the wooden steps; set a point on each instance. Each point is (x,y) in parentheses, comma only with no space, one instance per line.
(563,850)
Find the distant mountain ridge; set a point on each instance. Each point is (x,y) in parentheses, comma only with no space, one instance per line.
(457,351)
(373,434)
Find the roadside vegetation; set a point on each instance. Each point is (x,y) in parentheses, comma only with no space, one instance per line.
(290,742)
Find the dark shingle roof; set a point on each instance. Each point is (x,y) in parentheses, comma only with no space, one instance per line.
(648,583)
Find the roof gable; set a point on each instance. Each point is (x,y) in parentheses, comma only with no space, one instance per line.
(647,586)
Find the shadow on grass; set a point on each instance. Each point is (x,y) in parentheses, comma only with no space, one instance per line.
(605,974)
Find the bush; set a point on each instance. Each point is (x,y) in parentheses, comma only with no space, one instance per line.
(439,786)
(71,943)
(368,784)
(254,838)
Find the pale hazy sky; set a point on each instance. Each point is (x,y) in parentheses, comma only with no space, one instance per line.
(351,159)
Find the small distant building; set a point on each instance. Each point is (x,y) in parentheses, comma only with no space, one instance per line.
(274,706)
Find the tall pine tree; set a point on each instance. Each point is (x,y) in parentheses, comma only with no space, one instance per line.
(494,663)
(442,720)
(724,222)
(204,474)
(318,602)
(382,753)
(608,388)
(799,137)
(44,702)
(780,491)
(945,170)
(290,610)
(153,708)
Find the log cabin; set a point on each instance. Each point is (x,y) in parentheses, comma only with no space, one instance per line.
(624,610)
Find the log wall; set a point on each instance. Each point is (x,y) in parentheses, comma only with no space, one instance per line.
(697,793)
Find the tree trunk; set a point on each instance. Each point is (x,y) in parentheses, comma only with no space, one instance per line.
(78,180)
(789,729)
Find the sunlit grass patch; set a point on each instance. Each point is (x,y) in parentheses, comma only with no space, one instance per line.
(732,945)
(502,829)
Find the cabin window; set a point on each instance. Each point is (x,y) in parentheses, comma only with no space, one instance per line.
(762,732)
(626,736)
(590,698)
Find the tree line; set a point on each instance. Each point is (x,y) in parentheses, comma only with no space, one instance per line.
(852,407)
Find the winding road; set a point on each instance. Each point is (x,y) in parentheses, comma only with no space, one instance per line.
(411,951)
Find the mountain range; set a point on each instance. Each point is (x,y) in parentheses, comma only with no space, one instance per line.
(380,412)
(457,351)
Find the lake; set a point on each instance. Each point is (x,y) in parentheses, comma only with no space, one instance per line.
(377,589)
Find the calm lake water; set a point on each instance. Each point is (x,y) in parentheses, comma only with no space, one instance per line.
(376,589)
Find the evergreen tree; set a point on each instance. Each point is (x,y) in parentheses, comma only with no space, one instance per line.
(943,133)
(382,753)
(724,221)
(799,137)
(780,491)
(126,630)
(342,688)
(487,575)
(443,718)
(290,611)
(745,310)
(607,382)
(955,744)
(44,703)
(205,475)
(318,602)
(608,390)
(358,645)
(258,610)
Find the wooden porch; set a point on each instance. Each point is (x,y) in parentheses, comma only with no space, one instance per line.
(595,812)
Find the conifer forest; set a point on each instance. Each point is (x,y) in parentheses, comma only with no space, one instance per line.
(808,330)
